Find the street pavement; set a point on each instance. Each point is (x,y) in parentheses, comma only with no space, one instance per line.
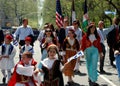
(81,79)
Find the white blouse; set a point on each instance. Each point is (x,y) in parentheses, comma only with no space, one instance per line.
(71,41)
(92,37)
(48,62)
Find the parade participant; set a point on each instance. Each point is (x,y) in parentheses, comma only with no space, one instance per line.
(48,39)
(102,33)
(7,55)
(62,30)
(90,44)
(66,25)
(51,67)
(23,71)
(24,31)
(1,37)
(117,57)
(70,47)
(78,32)
(27,46)
(113,38)
(42,32)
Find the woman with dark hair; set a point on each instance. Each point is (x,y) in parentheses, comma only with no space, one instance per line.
(70,47)
(46,41)
(91,46)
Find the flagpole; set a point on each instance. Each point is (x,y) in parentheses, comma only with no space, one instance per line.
(85,18)
(73,16)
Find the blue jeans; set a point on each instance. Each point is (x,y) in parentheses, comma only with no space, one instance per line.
(117,58)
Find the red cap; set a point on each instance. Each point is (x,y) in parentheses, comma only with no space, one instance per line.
(9,37)
(28,39)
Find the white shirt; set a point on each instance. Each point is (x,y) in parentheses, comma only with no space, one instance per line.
(27,48)
(103,33)
(92,37)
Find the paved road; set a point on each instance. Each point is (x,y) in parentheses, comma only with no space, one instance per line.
(109,79)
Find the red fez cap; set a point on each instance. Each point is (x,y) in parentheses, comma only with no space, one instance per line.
(28,39)
(9,37)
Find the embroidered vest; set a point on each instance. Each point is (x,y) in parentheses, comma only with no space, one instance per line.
(4,49)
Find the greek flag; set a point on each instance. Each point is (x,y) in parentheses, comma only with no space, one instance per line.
(79,54)
(15,42)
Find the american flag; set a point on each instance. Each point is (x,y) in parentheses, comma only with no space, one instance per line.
(59,19)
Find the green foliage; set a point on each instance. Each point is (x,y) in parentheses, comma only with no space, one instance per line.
(15,10)
(18,9)
(96,10)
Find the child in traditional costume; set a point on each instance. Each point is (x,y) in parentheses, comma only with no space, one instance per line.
(51,67)
(7,55)
(27,46)
(23,71)
(71,47)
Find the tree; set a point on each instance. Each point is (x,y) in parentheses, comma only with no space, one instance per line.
(96,9)
(18,9)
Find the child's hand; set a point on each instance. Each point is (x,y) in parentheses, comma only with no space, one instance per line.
(101,55)
(36,72)
(116,52)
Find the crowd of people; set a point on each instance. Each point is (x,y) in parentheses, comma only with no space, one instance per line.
(57,46)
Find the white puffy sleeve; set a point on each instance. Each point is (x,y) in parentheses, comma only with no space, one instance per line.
(27,71)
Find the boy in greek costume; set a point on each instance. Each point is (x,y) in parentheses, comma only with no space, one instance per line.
(26,47)
(7,55)
(23,71)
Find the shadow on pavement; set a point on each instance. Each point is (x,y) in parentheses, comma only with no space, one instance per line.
(76,84)
(80,74)
(103,85)
(106,73)
(3,84)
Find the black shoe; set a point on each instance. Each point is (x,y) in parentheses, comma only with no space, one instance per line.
(77,72)
(70,83)
(4,80)
(89,80)
(93,84)
(102,72)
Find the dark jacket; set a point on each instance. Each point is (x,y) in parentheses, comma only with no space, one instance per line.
(1,37)
(111,38)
